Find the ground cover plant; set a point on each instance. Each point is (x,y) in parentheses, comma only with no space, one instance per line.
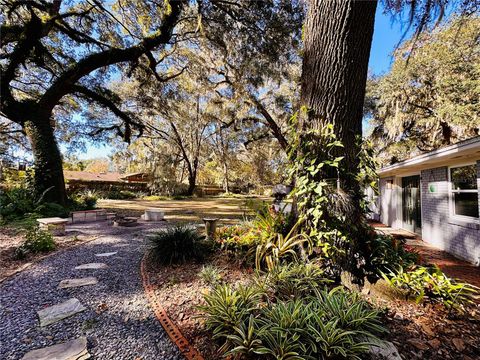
(311,323)
(429,283)
(36,241)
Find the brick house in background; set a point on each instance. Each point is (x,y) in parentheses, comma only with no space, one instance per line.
(436,195)
(78,180)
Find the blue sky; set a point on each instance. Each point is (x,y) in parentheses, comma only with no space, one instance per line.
(386,36)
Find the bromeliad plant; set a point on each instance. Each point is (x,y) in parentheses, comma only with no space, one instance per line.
(211,275)
(430,283)
(227,308)
(279,247)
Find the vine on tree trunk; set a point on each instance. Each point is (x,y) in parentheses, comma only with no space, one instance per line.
(333,216)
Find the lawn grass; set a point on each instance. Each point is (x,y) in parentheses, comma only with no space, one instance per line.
(230,210)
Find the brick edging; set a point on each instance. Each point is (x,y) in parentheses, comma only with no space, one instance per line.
(187,350)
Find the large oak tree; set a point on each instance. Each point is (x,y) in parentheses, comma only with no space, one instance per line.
(337,41)
(55,52)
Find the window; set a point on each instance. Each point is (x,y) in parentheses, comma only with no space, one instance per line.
(464,191)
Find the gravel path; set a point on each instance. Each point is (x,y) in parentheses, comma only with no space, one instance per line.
(118,322)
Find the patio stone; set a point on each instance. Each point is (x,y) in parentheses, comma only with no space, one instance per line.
(70,350)
(70,283)
(106,254)
(91,266)
(384,350)
(60,311)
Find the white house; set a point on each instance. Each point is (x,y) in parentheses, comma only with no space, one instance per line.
(436,195)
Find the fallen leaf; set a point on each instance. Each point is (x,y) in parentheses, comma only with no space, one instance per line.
(427,330)
(420,345)
(435,343)
(459,344)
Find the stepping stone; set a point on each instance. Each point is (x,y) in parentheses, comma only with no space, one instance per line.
(70,283)
(106,254)
(91,266)
(60,311)
(70,350)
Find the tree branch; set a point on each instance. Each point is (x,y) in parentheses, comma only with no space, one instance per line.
(65,81)
(105,97)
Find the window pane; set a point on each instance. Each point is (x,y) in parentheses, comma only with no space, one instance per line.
(466,204)
(464,178)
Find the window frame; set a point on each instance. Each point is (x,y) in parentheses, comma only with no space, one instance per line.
(451,192)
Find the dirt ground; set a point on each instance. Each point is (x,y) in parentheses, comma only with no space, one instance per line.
(12,237)
(228,210)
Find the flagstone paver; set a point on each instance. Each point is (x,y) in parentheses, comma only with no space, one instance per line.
(91,266)
(71,350)
(70,283)
(118,321)
(58,312)
(107,254)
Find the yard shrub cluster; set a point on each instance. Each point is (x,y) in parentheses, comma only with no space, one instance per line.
(84,200)
(388,253)
(430,284)
(36,241)
(267,227)
(20,205)
(274,317)
(179,244)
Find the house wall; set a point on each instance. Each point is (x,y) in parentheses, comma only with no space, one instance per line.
(439,228)
(459,237)
(389,202)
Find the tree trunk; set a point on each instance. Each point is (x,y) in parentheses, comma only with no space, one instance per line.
(48,161)
(192,180)
(337,41)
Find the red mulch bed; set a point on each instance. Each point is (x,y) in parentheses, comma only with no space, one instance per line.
(180,289)
(418,331)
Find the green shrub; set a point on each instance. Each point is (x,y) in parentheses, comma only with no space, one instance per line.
(51,210)
(19,205)
(387,253)
(36,241)
(430,283)
(120,195)
(210,275)
(178,244)
(239,242)
(15,203)
(84,200)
